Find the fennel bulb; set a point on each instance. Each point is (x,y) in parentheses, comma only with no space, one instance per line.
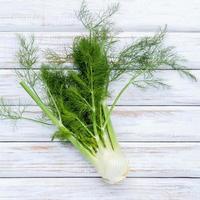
(75,101)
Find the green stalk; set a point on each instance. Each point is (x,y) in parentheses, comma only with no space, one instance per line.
(110,130)
(57,122)
(82,150)
(35,120)
(99,142)
(40,104)
(118,97)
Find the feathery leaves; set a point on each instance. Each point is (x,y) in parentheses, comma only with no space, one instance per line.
(76,99)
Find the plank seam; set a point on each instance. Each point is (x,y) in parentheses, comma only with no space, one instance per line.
(129,105)
(121,141)
(46,29)
(68,69)
(98,177)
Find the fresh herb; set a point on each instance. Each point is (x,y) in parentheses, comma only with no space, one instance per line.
(75,101)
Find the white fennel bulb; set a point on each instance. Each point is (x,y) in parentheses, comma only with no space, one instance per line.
(111,165)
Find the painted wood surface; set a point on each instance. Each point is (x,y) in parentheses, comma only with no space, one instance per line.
(132,124)
(94,188)
(145,15)
(61,160)
(187,44)
(159,130)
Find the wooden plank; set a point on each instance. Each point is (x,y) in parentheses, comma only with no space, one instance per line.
(132,123)
(59,160)
(182,92)
(187,44)
(23,15)
(95,189)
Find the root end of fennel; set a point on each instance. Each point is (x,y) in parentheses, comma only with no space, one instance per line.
(111,165)
(75,100)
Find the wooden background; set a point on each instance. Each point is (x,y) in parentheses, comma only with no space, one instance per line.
(159,130)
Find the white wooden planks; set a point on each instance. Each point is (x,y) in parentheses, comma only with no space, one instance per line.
(132,123)
(145,15)
(159,129)
(93,189)
(187,44)
(58,160)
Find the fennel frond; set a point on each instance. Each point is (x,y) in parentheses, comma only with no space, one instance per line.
(76,101)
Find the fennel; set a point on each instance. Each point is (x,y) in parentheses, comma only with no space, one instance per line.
(76,102)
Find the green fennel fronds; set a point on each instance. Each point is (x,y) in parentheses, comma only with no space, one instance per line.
(75,101)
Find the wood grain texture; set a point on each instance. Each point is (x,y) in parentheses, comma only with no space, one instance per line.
(187,44)
(159,130)
(62,160)
(132,123)
(182,91)
(95,189)
(23,15)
